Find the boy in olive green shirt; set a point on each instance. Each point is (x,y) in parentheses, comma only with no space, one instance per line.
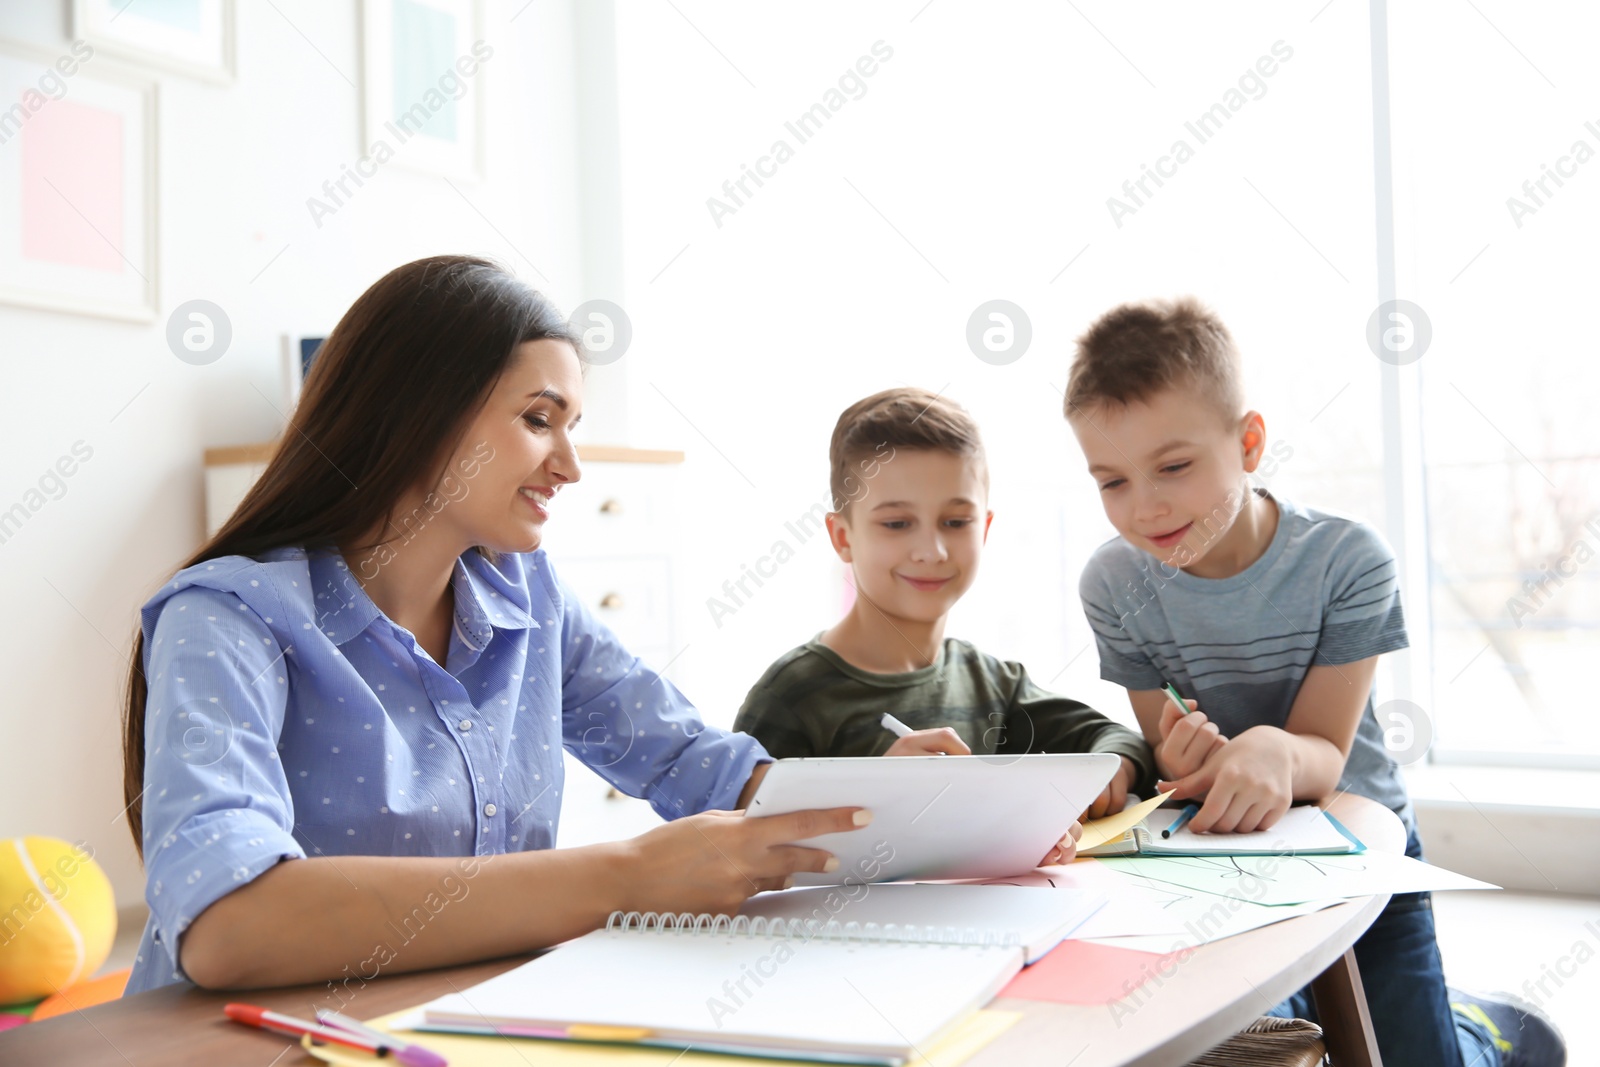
(911,484)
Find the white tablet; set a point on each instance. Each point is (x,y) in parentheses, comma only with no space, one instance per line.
(938,816)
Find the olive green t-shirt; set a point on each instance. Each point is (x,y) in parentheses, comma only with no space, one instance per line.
(812,703)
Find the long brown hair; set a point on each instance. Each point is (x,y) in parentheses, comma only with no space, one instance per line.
(386,403)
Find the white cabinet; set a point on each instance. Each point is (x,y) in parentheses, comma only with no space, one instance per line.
(611,540)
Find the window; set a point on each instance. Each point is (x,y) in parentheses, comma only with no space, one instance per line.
(1498,192)
(815,205)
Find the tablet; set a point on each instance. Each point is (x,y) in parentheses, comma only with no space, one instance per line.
(937,816)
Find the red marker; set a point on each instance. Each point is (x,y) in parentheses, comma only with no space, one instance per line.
(410,1055)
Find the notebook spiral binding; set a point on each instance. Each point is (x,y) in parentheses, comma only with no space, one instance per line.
(689,923)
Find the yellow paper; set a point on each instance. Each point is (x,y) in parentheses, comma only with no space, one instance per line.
(1097,832)
(464,1050)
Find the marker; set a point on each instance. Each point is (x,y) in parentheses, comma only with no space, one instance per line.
(895,726)
(1189,812)
(1175,698)
(900,729)
(263,1019)
(414,1055)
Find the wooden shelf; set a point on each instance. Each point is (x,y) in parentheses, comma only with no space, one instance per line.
(624,454)
(229,455)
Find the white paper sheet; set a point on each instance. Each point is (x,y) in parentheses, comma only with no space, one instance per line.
(1280,880)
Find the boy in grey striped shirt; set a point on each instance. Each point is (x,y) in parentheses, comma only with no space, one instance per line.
(1270,615)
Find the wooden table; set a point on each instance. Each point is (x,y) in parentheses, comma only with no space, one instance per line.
(1216,992)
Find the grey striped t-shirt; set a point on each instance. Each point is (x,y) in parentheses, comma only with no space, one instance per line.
(1324,592)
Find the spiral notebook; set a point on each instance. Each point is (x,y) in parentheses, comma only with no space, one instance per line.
(1040,917)
(787,985)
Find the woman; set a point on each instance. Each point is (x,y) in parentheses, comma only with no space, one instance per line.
(370,673)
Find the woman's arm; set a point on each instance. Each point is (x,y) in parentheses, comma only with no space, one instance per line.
(327,918)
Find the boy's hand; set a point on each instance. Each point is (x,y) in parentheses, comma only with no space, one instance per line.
(1187,741)
(1065,850)
(1115,795)
(943,741)
(1248,784)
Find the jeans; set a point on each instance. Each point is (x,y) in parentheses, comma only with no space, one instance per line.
(1404,981)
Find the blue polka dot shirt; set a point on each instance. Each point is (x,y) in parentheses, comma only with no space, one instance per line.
(288,717)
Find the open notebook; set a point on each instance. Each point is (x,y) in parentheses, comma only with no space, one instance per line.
(1303,831)
(804,979)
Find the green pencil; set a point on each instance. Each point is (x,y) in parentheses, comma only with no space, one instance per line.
(1172,694)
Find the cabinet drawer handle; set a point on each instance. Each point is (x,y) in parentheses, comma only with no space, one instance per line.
(611,601)
(611,506)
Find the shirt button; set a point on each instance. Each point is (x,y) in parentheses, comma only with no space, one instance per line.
(489,810)
(466,724)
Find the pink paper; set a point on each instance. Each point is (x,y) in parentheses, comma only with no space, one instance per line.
(1077,972)
(72,186)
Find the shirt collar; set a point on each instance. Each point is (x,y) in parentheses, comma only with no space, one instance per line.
(484,599)
(342,607)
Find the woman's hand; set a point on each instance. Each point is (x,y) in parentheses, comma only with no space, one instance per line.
(713,862)
(1065,850)
(1187,741)
(943,741)
(1114,797)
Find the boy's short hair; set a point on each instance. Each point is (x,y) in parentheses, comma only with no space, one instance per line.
(1136,350)
(907,418)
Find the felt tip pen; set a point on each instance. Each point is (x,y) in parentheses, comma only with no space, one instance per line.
(261,1018)
(898,728)
(414,1055)
(1189,812)
(1175,698)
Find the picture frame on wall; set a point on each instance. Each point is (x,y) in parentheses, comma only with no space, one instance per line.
(194,38)
(423,85)
(77,184)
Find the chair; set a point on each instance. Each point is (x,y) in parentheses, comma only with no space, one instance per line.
(1269,1042)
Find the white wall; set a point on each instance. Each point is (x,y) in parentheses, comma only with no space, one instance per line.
(987,146)
(236,165)
(976,163)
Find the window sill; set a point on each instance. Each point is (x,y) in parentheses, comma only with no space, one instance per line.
(1520,828)
(1521,789)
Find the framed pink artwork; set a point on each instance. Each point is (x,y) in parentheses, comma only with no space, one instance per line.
(77,184)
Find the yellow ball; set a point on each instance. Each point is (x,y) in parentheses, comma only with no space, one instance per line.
(58,917)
